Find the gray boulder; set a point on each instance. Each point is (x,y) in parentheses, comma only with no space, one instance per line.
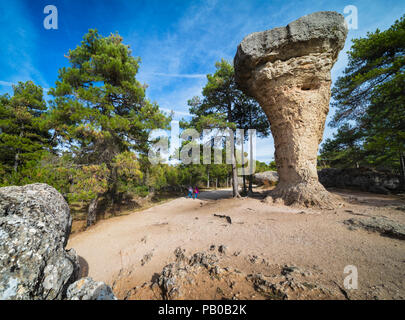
(266,178)
(35,225)
(88,289)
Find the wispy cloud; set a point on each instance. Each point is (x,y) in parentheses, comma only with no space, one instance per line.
(182,113)
(18,39)
(178,41)
(5,83)
(177,75)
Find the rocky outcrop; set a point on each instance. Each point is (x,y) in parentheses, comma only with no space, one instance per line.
(382,225)
(267,178)
(208,276)
(287,70)
(88,289)
(35,224)
(363,179)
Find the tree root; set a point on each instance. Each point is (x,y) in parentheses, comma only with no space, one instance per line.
(305,194)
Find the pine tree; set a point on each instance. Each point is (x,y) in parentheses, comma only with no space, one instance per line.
(223,105)
(370,98)
(100,110)
(24,130)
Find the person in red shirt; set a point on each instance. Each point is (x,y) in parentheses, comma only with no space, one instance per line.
(196,191)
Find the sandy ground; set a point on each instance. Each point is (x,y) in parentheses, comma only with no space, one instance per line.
(141,244)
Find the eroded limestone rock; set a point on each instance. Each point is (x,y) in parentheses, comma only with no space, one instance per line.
(88,289)
(287,70)
(268,178)
(35,225)
(384,226)
(34,228)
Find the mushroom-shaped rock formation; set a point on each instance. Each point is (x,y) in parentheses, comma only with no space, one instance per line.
(287,70)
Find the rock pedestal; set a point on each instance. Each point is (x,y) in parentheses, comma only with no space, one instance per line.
(287,70)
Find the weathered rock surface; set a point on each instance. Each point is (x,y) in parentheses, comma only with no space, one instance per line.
(363,179)
(35,224)
(269,178)
(203,276)
(88,289)
(384,226)
(287,70)
(34,228)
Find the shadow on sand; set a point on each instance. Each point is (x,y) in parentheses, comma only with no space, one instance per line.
(84,267)
(215,194)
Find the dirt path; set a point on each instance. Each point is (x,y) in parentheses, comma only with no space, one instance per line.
(143,242)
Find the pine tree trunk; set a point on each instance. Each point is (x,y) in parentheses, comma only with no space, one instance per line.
(250,190)
(402,168)
(16,158)
(235,191)
(17,155)
(243,169)
(92,212)
(113,189)
(250,163)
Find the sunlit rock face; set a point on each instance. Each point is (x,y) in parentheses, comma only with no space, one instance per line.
(35,223)
(287,70)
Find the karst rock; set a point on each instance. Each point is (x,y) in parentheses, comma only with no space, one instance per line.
(287,70)
(35,224)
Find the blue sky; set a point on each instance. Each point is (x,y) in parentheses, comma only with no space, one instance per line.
(178,41)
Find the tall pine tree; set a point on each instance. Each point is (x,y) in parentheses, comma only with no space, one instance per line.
(100,110)
(370,95)
(223,105)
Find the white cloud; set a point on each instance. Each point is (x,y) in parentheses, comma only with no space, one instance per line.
(6,83)
(18,40)
(176,75)
(181,113)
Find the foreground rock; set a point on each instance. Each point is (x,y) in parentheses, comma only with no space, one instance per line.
(88,289)
(287,70)
(35,224)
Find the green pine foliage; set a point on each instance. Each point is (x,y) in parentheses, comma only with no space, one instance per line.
(24,132)
(223,105)
(91,140)
(369,99)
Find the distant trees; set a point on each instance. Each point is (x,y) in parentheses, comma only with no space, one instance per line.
(224,106)
(370,104)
